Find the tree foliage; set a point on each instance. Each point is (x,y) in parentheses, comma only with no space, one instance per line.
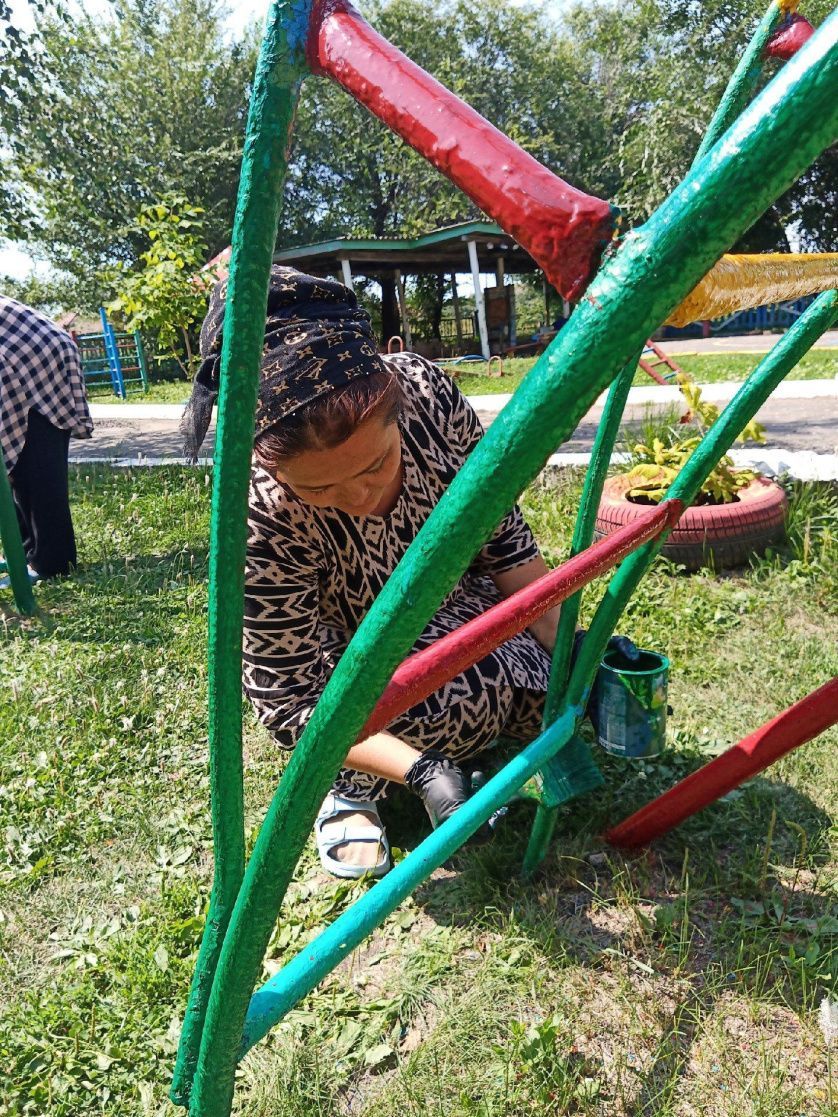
(148,101)
(662,66)
(165,297)
(100,118)
(350,175)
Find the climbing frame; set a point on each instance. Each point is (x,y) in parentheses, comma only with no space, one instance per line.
(643,278)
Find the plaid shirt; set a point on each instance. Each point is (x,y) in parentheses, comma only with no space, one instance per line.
(39,368)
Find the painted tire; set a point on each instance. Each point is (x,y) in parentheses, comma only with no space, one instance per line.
(720,535)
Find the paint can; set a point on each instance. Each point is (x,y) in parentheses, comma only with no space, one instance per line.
(630,702)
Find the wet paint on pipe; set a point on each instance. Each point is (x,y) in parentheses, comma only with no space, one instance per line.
(563,229)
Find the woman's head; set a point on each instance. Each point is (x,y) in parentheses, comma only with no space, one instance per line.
(321,377)
(343,450)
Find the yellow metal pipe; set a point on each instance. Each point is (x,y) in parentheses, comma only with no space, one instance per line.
(742,282)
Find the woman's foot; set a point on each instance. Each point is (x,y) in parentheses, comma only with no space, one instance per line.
(351,839)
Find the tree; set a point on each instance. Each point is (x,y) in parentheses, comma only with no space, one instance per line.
(22,74)
(165,296)
(150,101)
(350,176)
(662,66)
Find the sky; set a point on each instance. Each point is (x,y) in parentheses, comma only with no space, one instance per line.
(15,261)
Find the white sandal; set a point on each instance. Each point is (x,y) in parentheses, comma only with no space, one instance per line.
(333,806)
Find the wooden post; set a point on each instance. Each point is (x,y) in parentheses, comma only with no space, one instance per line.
(478,299)
(347,273)
(458,322)
(408,341)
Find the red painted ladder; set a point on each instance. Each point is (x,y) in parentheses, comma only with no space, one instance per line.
(650,367)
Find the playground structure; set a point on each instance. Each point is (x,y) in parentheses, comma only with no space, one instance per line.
(749,156)
(113,359)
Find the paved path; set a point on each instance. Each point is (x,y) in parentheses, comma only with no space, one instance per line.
(802,415)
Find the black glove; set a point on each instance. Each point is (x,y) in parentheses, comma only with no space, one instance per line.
(626,648)
(620,644)
(440,784)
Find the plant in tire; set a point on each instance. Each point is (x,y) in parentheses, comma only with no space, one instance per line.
(654,468)
(736,514)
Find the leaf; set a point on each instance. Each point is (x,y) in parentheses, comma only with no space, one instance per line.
(161,957)
(375,1056)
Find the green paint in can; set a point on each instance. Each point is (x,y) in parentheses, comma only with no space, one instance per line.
(631,703)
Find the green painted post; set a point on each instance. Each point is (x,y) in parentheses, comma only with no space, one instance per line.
(13,547)
(279,74)
(743,80)
(583,533)
(751,396)
(141,359)
(635,291)
(736,96)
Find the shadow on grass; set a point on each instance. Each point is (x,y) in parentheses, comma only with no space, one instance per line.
(710,911)
(126,601)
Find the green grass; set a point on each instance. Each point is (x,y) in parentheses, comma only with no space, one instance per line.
(159,391)
(472,379)
(686,980)
(705,368)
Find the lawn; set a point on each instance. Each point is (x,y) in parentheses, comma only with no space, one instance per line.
(681,981)
(471,378)
(705,368)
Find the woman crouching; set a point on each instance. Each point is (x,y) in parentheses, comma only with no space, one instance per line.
(352,452)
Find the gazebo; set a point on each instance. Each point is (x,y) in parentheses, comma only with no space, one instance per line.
(471,247)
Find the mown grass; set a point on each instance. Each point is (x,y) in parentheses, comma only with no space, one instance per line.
(705,368)
(681,981)
(159,391)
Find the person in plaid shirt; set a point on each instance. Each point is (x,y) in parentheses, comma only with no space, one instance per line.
(42,404)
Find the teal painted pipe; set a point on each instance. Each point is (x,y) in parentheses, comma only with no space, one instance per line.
(794,344)
(635,291)
(742,82)
(15,556)
(279,73)
(299,976)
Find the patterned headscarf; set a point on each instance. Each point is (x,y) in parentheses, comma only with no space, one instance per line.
(317,339)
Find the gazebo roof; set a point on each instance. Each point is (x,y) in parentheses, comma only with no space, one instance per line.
(443,250)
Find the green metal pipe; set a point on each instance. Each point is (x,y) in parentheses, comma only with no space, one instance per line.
(13,547)
(635,291)
(742,82)
(738,93)
(583,533)
(794,344)
(279,73)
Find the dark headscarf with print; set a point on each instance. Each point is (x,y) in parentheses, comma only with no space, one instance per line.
(317,339)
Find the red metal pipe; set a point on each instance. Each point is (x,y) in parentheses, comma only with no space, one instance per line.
(790,729)
(423,672)
(789,37)
(563,229)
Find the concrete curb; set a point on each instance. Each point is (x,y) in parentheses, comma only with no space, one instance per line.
(803,465)
(716,393)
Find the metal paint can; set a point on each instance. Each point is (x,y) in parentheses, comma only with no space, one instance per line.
(631,704)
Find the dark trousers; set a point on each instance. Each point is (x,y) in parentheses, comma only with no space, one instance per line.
(41,491)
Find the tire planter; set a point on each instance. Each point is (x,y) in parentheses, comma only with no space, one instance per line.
(719,535)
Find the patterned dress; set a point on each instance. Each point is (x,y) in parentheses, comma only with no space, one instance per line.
(313,573)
